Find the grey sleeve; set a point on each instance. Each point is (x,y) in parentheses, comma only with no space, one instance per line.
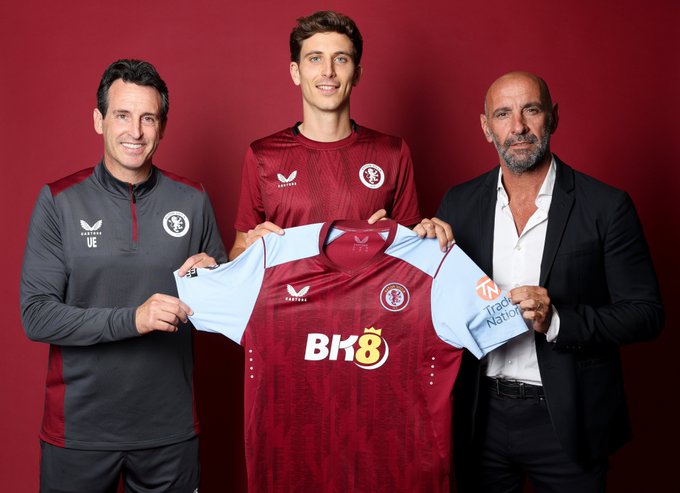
(44,283)
(211,241)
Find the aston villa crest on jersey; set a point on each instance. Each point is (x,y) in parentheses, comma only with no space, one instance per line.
(394,297)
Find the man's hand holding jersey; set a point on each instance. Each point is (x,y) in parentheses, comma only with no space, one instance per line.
(435,228)
(427,228)
(244,240)
(196,261)
(163,312)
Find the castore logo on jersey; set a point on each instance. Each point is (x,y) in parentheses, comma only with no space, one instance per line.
(360,244)
(372,350)
(296,295)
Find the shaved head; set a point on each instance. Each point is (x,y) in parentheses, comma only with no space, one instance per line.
(512,77)
(519,118)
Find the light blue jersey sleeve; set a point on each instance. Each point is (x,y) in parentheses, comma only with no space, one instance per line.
(223,298)
(469,310)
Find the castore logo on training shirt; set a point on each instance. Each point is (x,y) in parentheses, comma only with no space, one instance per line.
(287,182)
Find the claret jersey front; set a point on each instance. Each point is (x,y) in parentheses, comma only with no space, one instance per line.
(353,336)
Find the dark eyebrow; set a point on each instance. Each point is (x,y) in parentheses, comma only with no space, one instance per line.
(318,52)
(314,52)
(127,112)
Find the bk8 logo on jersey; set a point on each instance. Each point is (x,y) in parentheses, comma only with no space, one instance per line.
(368,351)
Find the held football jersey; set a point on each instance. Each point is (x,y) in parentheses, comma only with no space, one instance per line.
(353,336)
(291,180)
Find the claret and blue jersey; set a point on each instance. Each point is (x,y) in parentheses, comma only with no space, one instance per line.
(353,336)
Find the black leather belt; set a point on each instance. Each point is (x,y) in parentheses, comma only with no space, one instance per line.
(511,389)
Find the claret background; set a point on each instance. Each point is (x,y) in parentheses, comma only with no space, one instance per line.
(612,65)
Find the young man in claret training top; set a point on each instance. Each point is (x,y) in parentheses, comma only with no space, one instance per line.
(327,166)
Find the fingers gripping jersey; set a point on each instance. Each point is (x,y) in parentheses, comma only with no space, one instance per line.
(353,336)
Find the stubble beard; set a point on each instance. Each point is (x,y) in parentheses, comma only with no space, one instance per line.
(520,161)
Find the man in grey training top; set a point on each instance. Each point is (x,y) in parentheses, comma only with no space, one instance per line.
(102,246)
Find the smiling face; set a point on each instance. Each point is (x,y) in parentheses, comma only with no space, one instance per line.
(131,128)
(326,72)
(519,119)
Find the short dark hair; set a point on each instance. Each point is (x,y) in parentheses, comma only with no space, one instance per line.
(325,21)
(137,72)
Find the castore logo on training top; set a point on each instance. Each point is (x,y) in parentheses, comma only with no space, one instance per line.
(91,232)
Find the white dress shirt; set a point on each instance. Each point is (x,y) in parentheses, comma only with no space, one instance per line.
(517,262)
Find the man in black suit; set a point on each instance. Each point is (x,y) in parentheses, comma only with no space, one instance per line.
(550,405)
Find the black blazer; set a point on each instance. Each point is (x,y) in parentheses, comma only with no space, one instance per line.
(599,275)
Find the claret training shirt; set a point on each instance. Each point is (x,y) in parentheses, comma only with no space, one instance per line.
(291,180)
(353,336)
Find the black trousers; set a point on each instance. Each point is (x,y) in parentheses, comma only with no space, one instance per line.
(169,469)
(520,443)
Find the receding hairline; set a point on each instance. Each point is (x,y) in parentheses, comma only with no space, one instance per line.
(546,98)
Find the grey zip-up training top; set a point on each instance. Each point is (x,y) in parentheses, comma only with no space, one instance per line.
(97,248)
